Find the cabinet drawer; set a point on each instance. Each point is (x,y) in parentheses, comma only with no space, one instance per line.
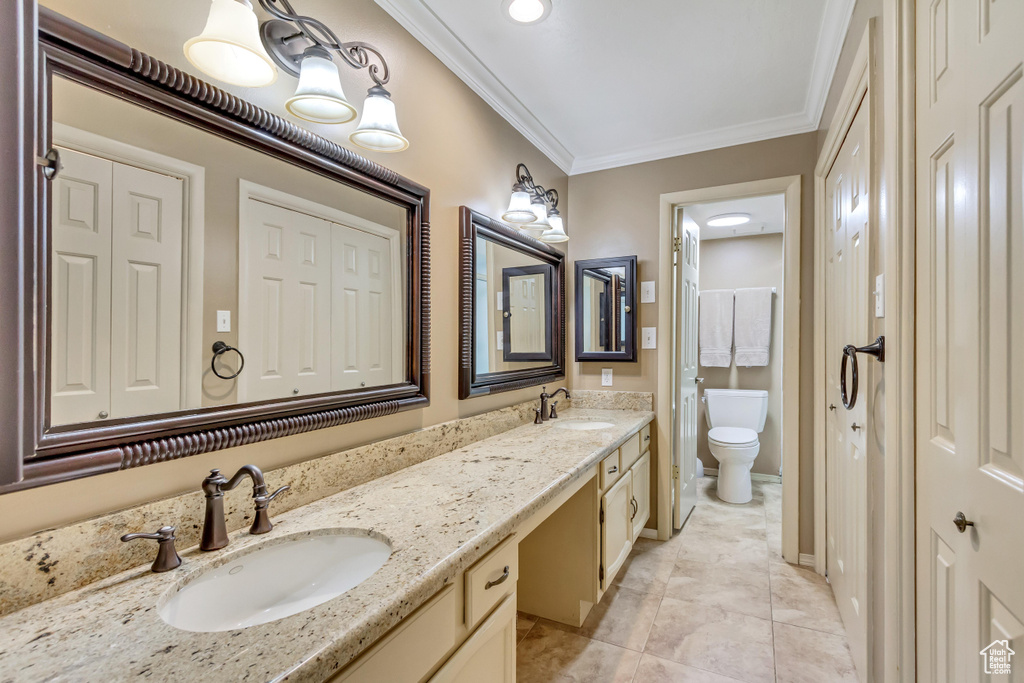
(630,451)
(490,580)
(611,470)
(645,438)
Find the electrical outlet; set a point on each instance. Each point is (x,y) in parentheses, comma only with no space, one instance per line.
(650,338)
(223,321)
(880,296)
(647,292)
(606,377)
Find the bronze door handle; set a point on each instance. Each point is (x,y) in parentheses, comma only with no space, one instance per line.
(962,522)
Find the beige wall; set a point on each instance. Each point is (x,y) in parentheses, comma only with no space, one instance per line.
(460,148)
(732,264)
(617,212)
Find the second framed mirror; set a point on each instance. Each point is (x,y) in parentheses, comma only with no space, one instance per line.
(605,309)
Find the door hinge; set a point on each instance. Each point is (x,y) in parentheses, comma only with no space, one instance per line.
(600,572)
(677,244)
(675,471)
(602,515)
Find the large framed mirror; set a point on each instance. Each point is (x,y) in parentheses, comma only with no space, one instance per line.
(512,308)
(208,274)
(605,309)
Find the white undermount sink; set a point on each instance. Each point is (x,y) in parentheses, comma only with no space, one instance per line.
(583,425)
(275,581)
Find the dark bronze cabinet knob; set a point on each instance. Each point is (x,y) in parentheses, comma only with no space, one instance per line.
(962,522)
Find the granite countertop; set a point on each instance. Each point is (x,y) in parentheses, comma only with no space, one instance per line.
(440,516)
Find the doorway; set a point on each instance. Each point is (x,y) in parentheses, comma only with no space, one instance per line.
(677,393)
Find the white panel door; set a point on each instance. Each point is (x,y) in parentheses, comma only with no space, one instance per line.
(970,338)
(846,322)
(80,300)
(684,398)
(616,530)
(146,271)
(363,310)
(285,318)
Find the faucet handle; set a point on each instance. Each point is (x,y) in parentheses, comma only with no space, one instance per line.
(554,413)
(167,557)
(261,524)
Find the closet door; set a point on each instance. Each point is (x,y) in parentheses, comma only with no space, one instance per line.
(146,267)
(80,300)
(285,306)
(362,316)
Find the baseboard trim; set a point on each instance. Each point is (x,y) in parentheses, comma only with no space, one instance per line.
(807,560)
(754,476)
(649,533)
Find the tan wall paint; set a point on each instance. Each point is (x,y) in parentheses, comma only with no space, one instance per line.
(617,212)
(460,148)
(731,264)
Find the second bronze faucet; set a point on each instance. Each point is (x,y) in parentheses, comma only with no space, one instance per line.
(215,533)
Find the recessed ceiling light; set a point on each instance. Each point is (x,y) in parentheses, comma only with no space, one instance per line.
(725,220)
(526,11)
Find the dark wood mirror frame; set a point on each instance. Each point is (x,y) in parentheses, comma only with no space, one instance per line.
(32,454)
(471,225)
(627,354)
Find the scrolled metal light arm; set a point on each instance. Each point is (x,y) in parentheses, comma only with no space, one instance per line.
(524,178)
(356,54)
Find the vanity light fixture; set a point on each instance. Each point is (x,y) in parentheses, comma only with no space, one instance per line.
(528,209)
(526,11)
(725,220)
(236,49)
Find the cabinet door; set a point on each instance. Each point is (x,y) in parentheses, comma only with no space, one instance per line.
(489,654)
(641,511)
(616,529)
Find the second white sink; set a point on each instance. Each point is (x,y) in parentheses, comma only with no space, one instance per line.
(583,425)
(275,581)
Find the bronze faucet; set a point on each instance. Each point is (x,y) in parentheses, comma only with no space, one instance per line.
(166,556)
(215,533)
(544,396)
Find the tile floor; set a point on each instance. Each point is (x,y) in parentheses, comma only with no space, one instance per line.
(715,604)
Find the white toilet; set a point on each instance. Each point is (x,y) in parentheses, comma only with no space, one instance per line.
(735,417)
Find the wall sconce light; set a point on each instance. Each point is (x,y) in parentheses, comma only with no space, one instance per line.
(528,209)
(234,48)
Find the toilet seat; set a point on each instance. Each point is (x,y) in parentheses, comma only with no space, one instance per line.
(732,437)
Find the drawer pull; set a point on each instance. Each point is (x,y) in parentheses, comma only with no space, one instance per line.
(636,508)
(500,580)
(647,437)
(613,469)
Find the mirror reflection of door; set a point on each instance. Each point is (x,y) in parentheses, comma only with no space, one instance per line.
(526,312)
(604,309)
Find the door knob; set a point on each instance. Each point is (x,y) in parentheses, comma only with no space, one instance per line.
(698,380)
(962,522)
(832,407)
(855,426)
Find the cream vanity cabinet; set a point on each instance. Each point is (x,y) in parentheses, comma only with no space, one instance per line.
(625,480)
(465,633)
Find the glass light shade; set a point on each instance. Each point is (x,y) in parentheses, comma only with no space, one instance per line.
(540,212)
(557,231)
(526,11)
(519,210)
(319,97)
(378,127)
(726,220)
(229,48)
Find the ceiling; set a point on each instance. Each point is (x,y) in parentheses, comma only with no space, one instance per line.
(767,215)
(606,83)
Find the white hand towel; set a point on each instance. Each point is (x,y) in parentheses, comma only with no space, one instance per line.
(715,328)
(753,326)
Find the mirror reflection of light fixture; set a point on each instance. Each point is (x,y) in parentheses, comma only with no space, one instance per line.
(528,209)
(229,48)
(236,49)
(319,97)
(726,220)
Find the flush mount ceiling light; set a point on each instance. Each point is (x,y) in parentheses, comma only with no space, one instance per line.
(526,11)
(726,220)
(235,49)
(528,209)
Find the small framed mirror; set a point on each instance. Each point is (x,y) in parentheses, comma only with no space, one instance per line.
(605,305)
(512,306)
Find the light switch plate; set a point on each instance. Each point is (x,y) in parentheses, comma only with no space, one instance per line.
(880,296)
(650,338)
(223,321)
(501,341)
(606,377)
(647,292)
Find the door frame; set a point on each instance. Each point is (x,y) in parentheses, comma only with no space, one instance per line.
(790,187)
(892,583)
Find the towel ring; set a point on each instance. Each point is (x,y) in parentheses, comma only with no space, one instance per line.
(850,352)
(219,348)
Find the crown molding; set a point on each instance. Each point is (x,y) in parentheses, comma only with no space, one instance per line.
(428,28)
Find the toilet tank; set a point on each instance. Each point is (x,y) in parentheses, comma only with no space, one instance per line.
(736,408)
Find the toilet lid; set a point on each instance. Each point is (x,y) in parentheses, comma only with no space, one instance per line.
(733,436)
